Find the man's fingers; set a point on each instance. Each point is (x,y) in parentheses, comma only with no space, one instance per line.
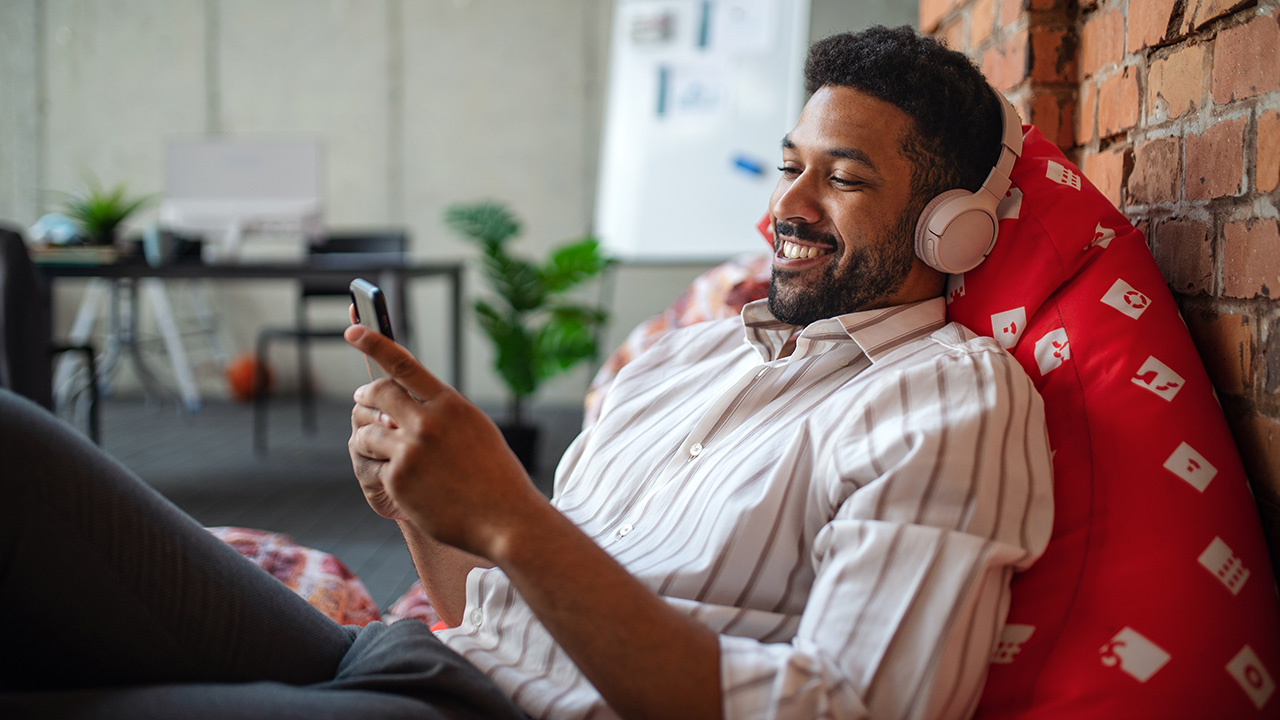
(397,362)
(364,415)
(374,441)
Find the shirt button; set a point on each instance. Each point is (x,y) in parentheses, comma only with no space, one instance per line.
(625,530)
(696,450)
(477,617)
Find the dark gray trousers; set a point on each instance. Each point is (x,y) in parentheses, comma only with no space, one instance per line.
(117,604)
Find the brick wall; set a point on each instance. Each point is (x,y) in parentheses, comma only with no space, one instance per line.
(1172,108)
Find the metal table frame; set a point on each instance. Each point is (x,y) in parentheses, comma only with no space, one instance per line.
(392,278)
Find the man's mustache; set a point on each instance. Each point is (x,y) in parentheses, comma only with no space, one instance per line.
(796,231)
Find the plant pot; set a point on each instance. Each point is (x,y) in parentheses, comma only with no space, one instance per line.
(523,441)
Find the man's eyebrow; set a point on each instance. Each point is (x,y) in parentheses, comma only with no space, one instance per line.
(844,153)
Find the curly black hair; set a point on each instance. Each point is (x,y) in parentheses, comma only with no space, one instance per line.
(956,114)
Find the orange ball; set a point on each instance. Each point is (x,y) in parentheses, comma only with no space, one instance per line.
(242,378)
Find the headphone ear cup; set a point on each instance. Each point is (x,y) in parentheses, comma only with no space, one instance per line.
(955,231)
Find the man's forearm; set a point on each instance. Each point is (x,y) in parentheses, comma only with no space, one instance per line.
(647,659)
(443,571)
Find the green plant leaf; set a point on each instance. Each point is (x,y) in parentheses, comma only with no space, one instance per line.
(516,281)
(534,336)
(572,263)
(513,347)
(99,211)
(567,338)
(490,223)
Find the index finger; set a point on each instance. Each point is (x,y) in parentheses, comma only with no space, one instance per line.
(398,363)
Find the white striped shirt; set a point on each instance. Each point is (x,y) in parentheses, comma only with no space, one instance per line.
(846,518)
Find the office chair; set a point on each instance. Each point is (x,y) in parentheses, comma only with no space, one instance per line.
(26,347)
(385,248)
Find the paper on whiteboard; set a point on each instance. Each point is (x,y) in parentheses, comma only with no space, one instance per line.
(744,26)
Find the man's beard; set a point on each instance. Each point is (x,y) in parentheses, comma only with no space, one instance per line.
(873,272)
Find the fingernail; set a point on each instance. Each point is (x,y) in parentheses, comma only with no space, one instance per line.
(384,419)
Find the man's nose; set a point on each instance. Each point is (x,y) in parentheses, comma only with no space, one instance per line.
(797,203)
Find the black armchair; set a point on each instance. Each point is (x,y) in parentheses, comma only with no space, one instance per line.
(26,345)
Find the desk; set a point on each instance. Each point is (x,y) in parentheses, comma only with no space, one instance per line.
(391,277)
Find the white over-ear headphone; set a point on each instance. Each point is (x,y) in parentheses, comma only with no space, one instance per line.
(958,229)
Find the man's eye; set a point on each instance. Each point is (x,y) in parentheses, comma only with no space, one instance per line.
(788,170)
(847,183)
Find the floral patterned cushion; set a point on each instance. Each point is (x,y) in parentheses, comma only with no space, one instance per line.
(319,578)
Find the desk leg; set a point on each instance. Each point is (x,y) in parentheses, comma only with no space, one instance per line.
(159,299)
(95,296)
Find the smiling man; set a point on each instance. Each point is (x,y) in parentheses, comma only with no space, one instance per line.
(813,510)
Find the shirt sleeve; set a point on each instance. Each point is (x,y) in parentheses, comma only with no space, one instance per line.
(940,488)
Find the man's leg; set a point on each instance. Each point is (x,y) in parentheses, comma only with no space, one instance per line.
(390,672)
(116,604)
(104,582)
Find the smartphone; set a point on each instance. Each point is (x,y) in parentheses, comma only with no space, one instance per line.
(371,312)
(371,306)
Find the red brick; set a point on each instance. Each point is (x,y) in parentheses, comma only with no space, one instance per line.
(1184,253)
(1118,102)
(1259,441)
(932,12)
(1042,5)
(1086,119)
(1005,65)
(1010,11)
(1053,55)
(1148,23)
(1101,41)
(1053,115)
(1215,161)
(1268,151)
(1251,259)
(1175,84)
(1157,166)
(1225,343)
(952,33)
(1106,171)
(1207,11)
(1245,59)
(982,19)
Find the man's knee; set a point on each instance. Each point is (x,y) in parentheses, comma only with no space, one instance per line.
(406,659)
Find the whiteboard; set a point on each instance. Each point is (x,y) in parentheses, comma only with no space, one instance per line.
(700,94)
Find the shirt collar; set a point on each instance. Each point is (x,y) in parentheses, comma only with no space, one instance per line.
(876,332)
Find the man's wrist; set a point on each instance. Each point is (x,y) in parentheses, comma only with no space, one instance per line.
(526,532)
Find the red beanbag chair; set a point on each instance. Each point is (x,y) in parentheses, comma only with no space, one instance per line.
(1156,596)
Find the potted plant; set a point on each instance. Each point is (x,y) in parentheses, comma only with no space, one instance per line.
(99,211)
(537,331)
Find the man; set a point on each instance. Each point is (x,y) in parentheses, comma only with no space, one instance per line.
(820,520)
(810,524)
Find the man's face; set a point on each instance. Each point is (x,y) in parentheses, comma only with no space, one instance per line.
(843,212)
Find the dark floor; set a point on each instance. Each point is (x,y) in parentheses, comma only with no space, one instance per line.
(204,463)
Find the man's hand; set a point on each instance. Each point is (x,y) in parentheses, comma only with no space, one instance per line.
(423,453)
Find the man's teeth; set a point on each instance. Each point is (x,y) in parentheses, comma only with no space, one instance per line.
(794,251)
